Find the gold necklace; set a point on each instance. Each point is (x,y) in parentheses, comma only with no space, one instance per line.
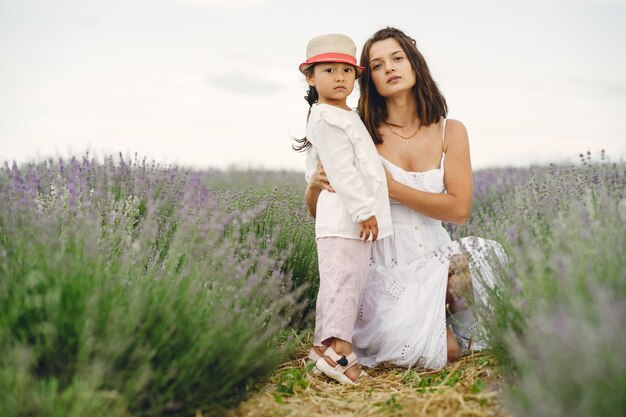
(406,138)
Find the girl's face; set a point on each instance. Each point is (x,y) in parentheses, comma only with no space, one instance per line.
(390,68)
(333,81)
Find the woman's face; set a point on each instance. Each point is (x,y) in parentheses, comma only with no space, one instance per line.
(390,68)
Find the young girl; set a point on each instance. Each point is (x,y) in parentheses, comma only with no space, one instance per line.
(348,218)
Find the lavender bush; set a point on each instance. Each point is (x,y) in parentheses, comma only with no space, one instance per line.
(126,287)
(253,181)
(285,224)
(557,318)
(570,358)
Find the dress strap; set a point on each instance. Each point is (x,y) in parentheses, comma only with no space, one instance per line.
(443,139)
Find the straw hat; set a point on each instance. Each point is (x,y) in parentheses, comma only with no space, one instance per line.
(331,48)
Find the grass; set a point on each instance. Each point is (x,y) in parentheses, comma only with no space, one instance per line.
(471,386)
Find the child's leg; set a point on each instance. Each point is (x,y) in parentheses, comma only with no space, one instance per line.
(343,267)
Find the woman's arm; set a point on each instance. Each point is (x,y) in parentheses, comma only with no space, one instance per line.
(310,198)
(318,182)
(312,193)
(456,204)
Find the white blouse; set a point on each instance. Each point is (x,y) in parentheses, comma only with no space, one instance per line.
(343,145)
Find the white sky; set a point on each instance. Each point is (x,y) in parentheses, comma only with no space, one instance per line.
(208,83)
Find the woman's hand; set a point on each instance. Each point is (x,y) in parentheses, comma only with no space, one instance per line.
(317,183)
(367,227)
(319,180)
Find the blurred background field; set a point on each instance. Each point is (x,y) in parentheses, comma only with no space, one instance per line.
(133,288)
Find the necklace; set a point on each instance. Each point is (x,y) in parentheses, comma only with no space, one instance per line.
(406,138)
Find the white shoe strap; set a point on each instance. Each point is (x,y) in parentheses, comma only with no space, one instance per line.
(351,358)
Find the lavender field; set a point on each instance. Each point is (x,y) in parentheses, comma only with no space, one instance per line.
(131,288)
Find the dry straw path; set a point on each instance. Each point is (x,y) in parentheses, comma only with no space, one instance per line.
(469,387)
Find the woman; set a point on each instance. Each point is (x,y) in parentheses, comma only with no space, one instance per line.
(418,276)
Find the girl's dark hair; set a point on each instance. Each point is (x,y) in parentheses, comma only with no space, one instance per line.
(311,97)
(431,105)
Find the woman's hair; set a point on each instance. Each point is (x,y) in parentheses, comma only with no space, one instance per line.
(431,105)
(311,97)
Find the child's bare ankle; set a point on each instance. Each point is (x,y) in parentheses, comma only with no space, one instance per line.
(341,346)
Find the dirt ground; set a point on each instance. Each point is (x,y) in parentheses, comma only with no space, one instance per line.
(469,387)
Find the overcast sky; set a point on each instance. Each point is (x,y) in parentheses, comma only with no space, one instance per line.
(207,83)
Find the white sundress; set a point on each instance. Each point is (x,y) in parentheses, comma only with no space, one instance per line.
(402,317)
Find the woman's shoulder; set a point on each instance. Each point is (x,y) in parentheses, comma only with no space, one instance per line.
(455,134)
(455,127)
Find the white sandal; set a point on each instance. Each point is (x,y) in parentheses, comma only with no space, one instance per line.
(312,357)
(338,372)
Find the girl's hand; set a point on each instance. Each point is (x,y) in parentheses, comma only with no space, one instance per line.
(369,226)
(319,180)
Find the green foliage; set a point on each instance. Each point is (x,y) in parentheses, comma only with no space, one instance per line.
(391,404)
(556,320)
(132,288)
(427,383)
(478,386)
(411,377)
(482,362)
(123,291)
(282,222)
(289,381)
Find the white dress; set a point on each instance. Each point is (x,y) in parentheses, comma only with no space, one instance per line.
(402,318)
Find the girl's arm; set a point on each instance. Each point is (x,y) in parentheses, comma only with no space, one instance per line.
(337,155)
(456,204)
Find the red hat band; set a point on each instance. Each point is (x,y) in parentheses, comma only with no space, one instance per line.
(332,57)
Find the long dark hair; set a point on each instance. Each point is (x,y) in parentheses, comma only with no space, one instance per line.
(431,105)
(311,97)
